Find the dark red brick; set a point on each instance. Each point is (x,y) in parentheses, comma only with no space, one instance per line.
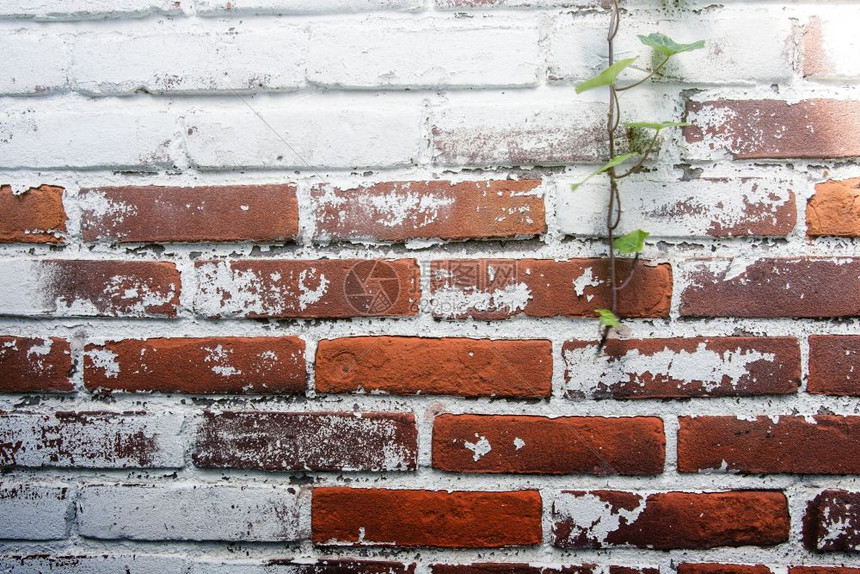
(307,441)
(229,365)
(834,365)
(822,444)
(403,210)
(458,519)
(804,287)
(36,216)
(318,288)
(682,367)
(832,523)
(500,288)
(449,366)
(345,566)
(543,445)
(190,214)
(688,568)
(670,520)
(35,365)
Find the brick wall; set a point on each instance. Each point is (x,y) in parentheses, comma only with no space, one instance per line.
(300,286)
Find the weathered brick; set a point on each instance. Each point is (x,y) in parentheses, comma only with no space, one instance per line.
(229,7)
(378,133)
(834,209)
(822,570)
(89,288)
(230,365)
(682,367)
(690,568)
(821,444)
(518,133)
(89,9)
(447,366)
(122,63)
(400,211)
(501,288)
(307,441)
(91,440)
(799,287)
(509,568)
(36,216)
(47,134)
(189,214)
(319,288)
(94,564)
(669,520)
(483,4)
(34,63)
(542,445)
(773,129)
(281,566)
(832,522)
(457,519)
(834,365)
(193,512)
(31,364)
(830,46)
(33,511)
(705,207)
(394,55)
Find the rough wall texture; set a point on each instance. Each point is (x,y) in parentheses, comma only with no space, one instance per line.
(300,286)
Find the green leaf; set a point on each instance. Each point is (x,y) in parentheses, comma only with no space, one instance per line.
(608,318)
(632,242)
(606,77)
(617,160)
(667,46)
(656,125)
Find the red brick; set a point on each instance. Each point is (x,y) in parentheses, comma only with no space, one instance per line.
(318,288)
(307,441)
(190,214)
(543,445)
(803,287)
(345,566)
(832,523)
(682,367)
(834,209)
(508,568)
(826,444)
(426,518)
(228,365)
(404,210)
(822,570)
(500,288)
(834,365)
(670,520)
(774,129)
(447,366)
(91,440)
(31,365)
(36,216)
(688,568)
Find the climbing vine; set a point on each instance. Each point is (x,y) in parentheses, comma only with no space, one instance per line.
(631,243)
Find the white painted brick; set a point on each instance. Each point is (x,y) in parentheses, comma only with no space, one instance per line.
(33,63)
(225,7)
(696,208)
(32,511)
(442,54)
(194,512)
(120,63)
(519,131)
(484,4)
(741,47)
(831,45)
(91,440)
(93,564)
(321,133)
(87,9)
(86,134)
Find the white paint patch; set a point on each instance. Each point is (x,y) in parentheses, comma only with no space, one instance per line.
(592,517)
(519,443)
(221,358)
(106,360)
(587,279)
(453,302)
(479,448)
(310,295)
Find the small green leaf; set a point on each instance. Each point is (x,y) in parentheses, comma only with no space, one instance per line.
(656,125)
(617,160)
(667,46)
(608,318)
(632,242)
(606,77)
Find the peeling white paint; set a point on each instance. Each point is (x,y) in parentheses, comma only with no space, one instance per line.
(310,295)
(106,360)
(592,517)
(453,302)
(480,447)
